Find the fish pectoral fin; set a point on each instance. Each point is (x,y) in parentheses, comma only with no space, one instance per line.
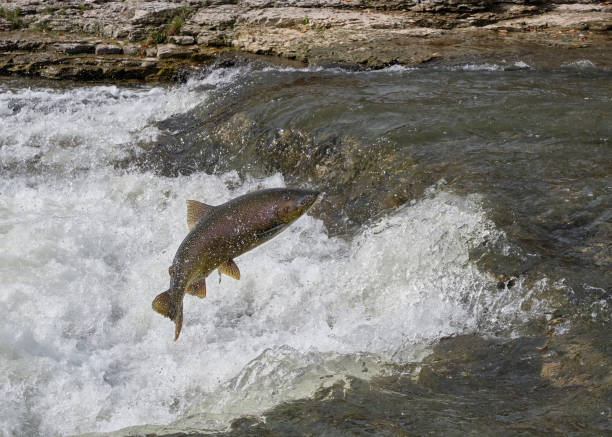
(230,269)
(170,270)
(195,211)
(197,288)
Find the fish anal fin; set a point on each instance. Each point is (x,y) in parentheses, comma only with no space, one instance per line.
(230,269)
(195,211)
(197,288)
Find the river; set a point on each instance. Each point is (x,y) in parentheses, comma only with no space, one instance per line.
(465,220)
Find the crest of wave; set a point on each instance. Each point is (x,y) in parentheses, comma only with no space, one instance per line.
(82,349)
(88,126)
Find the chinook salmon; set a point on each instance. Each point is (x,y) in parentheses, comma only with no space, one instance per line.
(218,234)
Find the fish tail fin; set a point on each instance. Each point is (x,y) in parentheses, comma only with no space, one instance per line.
(162,304)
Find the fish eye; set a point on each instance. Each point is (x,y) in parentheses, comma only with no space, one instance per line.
(285,196)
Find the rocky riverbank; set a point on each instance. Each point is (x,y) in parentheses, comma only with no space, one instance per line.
(153,40)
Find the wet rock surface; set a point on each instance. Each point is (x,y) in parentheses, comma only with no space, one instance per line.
(539,385)
(487,383)
(354,32)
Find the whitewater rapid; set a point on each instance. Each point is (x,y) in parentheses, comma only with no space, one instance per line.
(86,247)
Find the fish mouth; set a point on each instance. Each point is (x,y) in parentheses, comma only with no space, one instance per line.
(307,199)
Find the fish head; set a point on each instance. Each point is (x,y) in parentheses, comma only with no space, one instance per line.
(292,203)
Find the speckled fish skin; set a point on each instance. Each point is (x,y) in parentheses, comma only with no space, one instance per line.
(223,233)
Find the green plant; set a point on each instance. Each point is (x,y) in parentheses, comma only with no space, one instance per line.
(305,20)
(175,25)
(95,29)
(182,12)
(158,37)
(12,17)
(42,26)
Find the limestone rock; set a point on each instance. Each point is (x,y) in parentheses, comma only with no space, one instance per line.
(213,39)
(216,18)
(131,49)
(108,49)
(8,45)
(156,12)
(182,40)
(4,24)
(165,51)
(77,48)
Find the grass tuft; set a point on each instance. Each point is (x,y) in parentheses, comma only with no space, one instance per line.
(12,16)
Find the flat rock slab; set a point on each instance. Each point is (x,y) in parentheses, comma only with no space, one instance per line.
(217,18)
(155,12)
(166,51)
(77,48)
(108,49)
(182,40)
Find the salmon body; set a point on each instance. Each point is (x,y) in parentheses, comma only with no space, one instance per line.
(218,234)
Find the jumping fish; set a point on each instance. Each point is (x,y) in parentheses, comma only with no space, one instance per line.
(218,234)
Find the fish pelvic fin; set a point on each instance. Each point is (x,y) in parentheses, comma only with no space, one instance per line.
(162,303)
(230,269)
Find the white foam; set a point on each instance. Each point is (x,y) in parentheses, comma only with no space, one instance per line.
(88,126)
(84,253)
(82,258)
(581,64)
(396,68)
(479,67)
(521,65)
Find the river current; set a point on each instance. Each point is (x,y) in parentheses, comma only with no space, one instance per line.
(507,229)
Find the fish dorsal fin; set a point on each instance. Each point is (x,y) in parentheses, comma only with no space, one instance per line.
(230,269)
(195,211)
